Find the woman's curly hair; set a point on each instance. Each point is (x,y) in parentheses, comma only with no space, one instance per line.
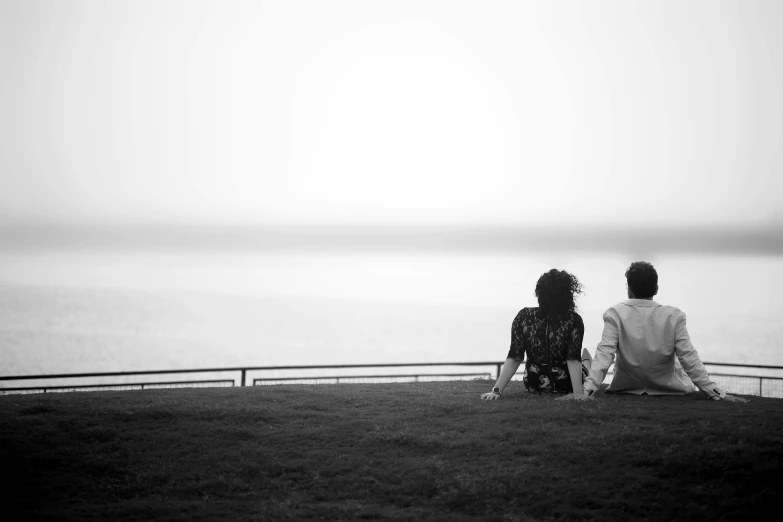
(555,291)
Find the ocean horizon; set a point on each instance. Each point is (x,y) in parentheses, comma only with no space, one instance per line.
(93,310)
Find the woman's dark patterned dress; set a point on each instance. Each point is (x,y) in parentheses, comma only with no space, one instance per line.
(548,343)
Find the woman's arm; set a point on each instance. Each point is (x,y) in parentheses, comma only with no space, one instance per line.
(575,371)
(506,373)
(573,358)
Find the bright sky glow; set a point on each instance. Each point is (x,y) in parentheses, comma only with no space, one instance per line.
(398,112)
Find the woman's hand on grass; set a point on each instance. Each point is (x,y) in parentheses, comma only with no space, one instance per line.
(491,396)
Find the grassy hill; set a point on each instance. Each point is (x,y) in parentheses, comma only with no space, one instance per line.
(417,451)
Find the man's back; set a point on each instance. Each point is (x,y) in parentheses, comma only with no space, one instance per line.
(650,342)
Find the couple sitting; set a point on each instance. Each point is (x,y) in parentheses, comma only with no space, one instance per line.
(650,341)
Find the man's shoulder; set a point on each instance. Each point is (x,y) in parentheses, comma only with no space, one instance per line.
(622,308)
(670,310)
(615,308)
(612,314)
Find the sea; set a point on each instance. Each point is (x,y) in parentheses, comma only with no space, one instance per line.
(83,311)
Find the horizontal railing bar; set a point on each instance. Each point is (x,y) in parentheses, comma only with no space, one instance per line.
(308,367)
(766,367)
(183,382)
(113,385)
(314,377)
(238,369)
(744,376)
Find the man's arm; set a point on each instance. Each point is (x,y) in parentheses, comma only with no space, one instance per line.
(689,358)
(691,363)
(604,354)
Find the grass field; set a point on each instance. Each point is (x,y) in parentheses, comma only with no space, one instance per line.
(414,451)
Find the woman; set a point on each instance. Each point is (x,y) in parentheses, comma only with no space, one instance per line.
(551,336)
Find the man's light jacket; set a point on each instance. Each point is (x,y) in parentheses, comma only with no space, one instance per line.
(652,347)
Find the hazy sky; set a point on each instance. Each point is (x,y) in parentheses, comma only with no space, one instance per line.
(391,111)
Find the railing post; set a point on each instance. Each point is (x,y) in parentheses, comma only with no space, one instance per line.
(761,379)
(244,373)
(499,366)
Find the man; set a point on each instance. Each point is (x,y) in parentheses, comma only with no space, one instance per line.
(652,346)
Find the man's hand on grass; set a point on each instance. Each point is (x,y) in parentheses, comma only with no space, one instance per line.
(491,396)
(572,397)
(734,398)
(717,394)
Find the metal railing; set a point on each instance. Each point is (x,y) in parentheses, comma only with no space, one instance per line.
(243,371)
(337,379)
(762,385)
(121,386)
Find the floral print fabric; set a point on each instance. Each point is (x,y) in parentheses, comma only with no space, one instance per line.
(548,344)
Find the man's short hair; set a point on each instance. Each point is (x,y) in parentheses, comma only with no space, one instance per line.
(642,279)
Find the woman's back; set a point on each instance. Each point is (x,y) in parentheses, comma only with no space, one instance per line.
(547,343)
(550,335)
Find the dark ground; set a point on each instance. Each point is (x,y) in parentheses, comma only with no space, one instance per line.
(414,451)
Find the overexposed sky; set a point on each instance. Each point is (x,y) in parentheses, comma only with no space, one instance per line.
(394,112)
